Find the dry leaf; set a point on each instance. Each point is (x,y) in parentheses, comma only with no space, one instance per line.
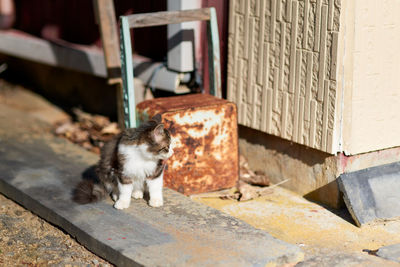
(65,127)
(89,131)
(100,122)
(247,191)
(250,177)
(230,193)
(80,136)
(112,128)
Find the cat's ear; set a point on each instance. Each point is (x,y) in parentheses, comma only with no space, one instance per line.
(158,133)
(157,118)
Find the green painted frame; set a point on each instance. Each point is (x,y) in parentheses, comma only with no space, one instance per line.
(164,18)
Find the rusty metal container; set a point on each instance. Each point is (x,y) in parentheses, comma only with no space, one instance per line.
(204,131)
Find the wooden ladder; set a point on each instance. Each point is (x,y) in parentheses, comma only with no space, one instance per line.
(164,18)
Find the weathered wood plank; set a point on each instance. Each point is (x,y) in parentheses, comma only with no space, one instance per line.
(167,17)
(84,60)
(109,37)
(104,9)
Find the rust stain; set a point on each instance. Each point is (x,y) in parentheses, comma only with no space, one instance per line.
(205,130)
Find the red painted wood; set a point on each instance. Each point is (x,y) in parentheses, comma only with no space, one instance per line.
(222,8)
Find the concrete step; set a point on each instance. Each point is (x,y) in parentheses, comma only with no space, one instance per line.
(39,171)
(372,195)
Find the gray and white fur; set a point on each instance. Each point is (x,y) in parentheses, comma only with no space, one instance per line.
(131,162)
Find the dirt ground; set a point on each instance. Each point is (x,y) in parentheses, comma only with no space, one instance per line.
(27,240)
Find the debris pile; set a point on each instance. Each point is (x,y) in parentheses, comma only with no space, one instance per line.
(89,131)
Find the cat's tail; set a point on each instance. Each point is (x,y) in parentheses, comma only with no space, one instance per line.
(88,192)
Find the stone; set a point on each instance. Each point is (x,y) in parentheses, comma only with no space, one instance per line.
(391,252)
(339,259)
(372,194)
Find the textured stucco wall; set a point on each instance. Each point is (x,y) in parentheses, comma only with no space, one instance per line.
(282,68)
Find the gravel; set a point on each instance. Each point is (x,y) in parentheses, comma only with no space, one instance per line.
(26,239)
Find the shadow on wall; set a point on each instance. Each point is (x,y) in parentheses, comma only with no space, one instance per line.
(308,156)
(309,172)
(65,88)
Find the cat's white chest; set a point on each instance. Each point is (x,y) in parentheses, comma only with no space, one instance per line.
(137,161)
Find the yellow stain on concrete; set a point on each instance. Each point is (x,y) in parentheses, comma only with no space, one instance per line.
(291,218)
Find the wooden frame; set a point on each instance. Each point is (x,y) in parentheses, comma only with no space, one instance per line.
(164,18)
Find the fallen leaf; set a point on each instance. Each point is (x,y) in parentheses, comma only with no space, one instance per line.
(250,177)
(80,136)
(247,191)
(112,128)
(65,127)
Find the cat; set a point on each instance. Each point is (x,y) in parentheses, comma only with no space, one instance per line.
(131,161)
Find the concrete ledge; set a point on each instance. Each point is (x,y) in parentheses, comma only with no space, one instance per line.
(39,172)
(311,173)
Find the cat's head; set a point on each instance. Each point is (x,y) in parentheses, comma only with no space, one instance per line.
(160,142)
(155,138)
(152,139)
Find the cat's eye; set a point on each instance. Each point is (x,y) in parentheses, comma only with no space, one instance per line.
(164,149)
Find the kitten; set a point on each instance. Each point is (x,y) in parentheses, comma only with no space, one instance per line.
(131,161)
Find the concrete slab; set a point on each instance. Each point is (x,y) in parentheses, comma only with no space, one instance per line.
(335,259)
(320,232)
(40,171)
(390,252)
(372,194)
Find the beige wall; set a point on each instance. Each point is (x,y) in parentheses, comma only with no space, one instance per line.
(282,68)
(371,117)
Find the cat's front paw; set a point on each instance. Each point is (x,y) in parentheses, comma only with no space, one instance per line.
(122,204)
(137,194)
(156,202)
